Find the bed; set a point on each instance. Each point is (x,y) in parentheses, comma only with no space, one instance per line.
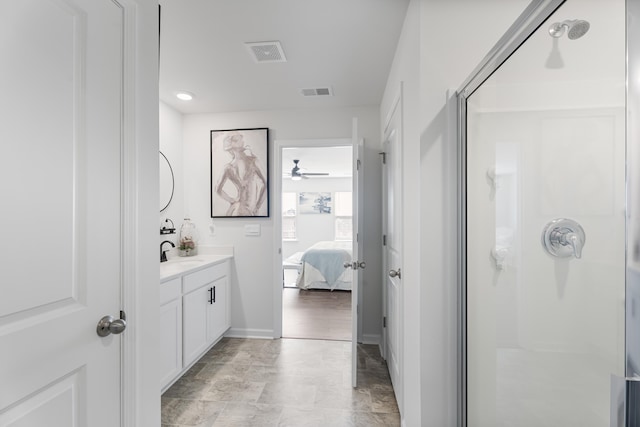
(321,266)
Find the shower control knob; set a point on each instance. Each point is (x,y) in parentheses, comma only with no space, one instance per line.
(563,238)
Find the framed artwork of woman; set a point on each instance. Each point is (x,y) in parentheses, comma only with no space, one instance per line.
(239,173)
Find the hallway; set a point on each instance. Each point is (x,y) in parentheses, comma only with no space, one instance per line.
(286,382)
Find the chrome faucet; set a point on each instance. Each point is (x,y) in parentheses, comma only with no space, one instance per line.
(163,254)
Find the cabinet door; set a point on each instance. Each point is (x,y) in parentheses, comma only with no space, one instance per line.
(194,326)
(170,341)
(217,310)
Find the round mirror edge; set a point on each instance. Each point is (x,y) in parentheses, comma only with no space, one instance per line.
(173,181)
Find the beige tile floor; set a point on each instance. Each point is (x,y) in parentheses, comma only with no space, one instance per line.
(316,314)
(285,382)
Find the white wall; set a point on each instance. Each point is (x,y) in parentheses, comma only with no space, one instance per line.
(446,63)
(171,147)
(441,43)
(252,290)
(312,228)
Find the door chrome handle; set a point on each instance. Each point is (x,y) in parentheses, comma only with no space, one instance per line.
(395,273)
(355,264)
(109,325)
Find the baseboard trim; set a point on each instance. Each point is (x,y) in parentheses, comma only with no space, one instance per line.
(371,339)
(265,334)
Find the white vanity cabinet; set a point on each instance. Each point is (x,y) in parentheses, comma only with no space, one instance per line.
(204,309)
(171,327)
(194,314)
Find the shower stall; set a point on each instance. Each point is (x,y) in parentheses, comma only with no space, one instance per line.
(550,221)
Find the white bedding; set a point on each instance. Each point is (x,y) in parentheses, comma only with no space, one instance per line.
(312,277)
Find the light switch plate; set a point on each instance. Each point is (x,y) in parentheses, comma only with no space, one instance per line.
(252,230)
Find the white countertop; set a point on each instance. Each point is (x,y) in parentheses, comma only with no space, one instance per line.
(178,266)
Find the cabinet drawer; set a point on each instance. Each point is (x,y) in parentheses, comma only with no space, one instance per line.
(200,278)
(170,290)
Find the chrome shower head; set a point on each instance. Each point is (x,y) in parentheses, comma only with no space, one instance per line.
(575,28)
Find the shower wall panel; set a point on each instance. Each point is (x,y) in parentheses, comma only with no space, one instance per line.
(547,141)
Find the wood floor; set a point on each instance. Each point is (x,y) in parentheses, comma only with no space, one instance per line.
(316,314)
(284,382)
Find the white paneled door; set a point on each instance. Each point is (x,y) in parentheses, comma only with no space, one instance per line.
(61,179)
(393,247)
(357,246)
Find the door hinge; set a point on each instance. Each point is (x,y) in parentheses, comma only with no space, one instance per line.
(357,237)
(358,164)
(123,315)
(384,240)
(384,157)
(384,322)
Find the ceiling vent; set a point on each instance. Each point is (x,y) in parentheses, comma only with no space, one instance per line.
(266,51)
(317,91)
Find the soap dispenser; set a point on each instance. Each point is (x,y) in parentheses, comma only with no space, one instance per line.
(188,239)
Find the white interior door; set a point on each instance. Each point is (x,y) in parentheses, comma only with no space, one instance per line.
(357,242)
(61,84)
(392,199)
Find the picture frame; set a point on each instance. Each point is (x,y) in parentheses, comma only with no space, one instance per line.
(315,202)
(240,173)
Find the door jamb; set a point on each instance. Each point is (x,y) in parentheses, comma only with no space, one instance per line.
(139,271)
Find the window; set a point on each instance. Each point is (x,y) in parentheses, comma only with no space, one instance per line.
(289,211)
(343,215)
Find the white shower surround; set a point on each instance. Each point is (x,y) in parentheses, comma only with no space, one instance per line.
(557,149)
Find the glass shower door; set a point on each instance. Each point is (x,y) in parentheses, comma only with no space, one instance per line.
(545,225)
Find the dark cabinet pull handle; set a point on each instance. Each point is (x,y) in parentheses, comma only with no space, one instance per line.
(211,297)
(214,294)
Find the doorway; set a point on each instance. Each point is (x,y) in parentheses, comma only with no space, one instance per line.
(317,222)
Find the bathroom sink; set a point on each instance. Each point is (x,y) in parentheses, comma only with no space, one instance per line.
(188,262)
(181,265)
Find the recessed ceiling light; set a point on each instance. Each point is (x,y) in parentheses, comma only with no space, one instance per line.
(184,96)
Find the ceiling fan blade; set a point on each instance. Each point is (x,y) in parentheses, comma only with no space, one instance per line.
(314,173)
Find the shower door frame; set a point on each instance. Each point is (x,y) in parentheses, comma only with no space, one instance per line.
(537,12)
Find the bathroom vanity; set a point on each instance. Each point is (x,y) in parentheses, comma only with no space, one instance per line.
(194,311)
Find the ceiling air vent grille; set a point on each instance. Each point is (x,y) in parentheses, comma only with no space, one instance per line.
(318,91)
(266,51)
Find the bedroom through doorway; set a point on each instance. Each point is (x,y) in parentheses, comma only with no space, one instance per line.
(317,217)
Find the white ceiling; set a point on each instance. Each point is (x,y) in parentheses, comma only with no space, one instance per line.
(336,161)
(347,45)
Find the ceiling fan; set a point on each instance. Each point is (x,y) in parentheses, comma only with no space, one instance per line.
(297,173)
